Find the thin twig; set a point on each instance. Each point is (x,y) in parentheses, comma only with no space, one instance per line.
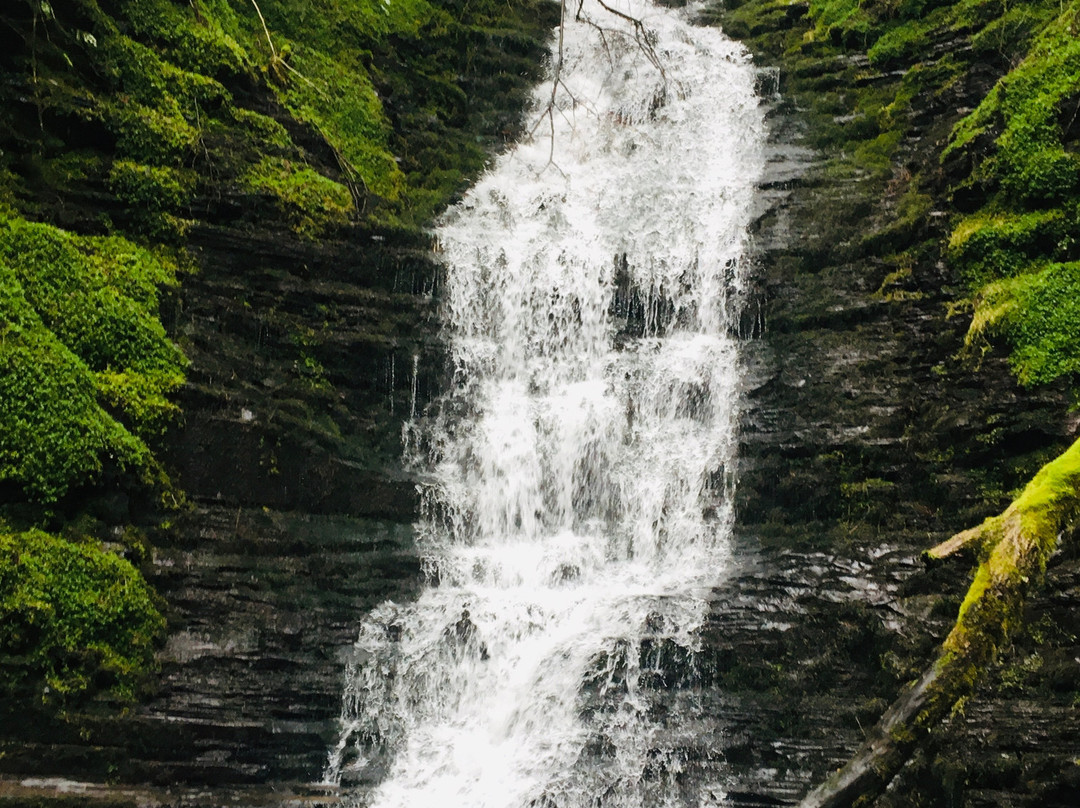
(277,60)
(266,30)
(643,35)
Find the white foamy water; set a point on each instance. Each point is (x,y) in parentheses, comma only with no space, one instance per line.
(580,470)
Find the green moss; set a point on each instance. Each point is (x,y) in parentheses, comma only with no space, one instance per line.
(876,155)
(845,21)
(53,432)
(904,43)
(154,194)
(270,134)
(1030,161)
(192,85)
(74,619)
(744,20)
(80,315)
(142,397)
(147,114)
(1028,232)
(1039,315)
(203,38)
(65,279)
(1013,30)
(312,202)
(992,245)
(339,100)
(1043,326)
(1017,544)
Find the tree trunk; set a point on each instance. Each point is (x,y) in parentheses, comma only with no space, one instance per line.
(1012,549)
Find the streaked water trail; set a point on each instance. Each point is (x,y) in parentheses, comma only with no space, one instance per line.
(580,469)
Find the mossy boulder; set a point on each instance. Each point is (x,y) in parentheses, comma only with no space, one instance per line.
(85,365)
(75,620)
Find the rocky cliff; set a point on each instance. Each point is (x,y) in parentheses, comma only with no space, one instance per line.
(275,510)
(872,431)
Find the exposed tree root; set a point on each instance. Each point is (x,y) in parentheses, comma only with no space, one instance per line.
(1012,549)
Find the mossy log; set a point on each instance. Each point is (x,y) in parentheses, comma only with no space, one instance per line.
(1013,549)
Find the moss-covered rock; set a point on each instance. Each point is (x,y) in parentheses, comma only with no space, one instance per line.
(75,620)
(1016,250)
(880,89)
(85,365)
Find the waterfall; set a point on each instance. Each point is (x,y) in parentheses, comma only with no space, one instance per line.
(578,474)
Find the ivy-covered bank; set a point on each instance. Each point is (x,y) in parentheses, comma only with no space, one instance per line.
(129,126)
(953,128)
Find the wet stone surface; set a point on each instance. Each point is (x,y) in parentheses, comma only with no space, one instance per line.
(263,607)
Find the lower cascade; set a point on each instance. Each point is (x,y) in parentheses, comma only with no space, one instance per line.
(577,502)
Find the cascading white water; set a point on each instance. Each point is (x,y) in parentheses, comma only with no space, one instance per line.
(580,469)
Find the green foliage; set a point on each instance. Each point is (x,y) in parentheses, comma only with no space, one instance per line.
(152,193)
(904,42)
(173,103)
(74,619)
(264,130)
(80,348)
(983,120)
(876,155)
(340,102)
(844,21)
(142,397)
(204,85)
(991,246)
(53,433)
(1012,31)
(147,114)
(66,279)
(1030,160)
(201,39)
(1014,160)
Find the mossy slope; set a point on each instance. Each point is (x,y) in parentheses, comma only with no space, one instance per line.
(124,124)
(955,124)
(85,365)
(74,619)
(333,112)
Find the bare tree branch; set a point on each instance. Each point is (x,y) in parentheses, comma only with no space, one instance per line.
(645,39)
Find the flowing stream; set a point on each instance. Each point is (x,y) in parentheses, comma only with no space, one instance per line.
(579,472)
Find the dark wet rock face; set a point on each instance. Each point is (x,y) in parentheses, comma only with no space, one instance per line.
(866,441)
(797,659)
(306,358)
(263,607)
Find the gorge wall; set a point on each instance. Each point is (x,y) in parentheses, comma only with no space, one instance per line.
(872,433)
(306,314)
(869,435)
